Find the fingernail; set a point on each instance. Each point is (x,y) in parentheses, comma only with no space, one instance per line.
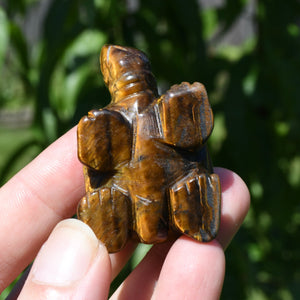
(67,254)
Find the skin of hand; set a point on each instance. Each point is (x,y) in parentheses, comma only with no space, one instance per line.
(70,262)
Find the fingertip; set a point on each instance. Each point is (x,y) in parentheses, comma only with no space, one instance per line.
(229,178)
(69,263)
(96,283)
(235,204)
(192,269)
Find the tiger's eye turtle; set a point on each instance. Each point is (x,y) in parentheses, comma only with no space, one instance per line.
(146,166)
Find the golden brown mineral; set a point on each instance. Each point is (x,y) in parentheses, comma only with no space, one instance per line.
(146,166)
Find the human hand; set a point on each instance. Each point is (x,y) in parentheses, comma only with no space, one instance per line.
(73,264)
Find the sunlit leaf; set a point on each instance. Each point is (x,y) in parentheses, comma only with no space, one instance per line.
(87,43)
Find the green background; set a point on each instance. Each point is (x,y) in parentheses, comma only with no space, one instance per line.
(50,77)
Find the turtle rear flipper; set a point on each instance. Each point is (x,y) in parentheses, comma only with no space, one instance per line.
(107,212)
(195,205)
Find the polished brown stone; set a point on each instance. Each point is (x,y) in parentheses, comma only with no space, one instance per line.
(146,166)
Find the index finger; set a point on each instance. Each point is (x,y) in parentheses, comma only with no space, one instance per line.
(34,200)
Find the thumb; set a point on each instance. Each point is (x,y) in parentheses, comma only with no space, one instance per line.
(72,264)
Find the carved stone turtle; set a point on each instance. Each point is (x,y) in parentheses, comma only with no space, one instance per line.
(146,166)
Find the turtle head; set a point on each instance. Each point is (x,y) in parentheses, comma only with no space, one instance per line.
(126,71)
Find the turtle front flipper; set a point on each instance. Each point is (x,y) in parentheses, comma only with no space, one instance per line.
(195,205)
(184,116)
(104,140)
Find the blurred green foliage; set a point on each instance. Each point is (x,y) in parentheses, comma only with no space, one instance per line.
(49,66)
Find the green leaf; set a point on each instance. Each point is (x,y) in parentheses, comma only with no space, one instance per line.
(4,36)
(78,63)
(20,46)
(87,43)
